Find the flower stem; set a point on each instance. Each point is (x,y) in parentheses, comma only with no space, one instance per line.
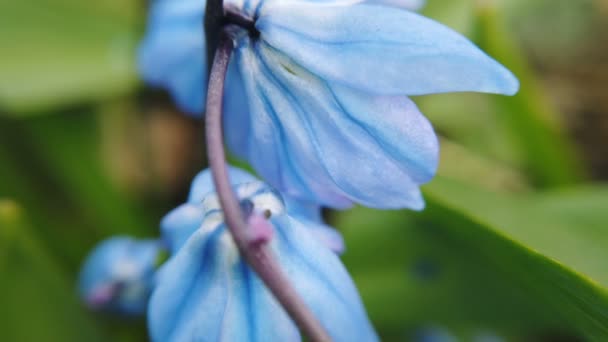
(257,254)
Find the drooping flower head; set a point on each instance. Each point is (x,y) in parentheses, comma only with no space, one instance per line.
(183,221)
(118,275)
(316,95)
(206,291)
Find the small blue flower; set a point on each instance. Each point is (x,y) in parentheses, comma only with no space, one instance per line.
(316,97)
(206,292)
(183,221)
(118,275)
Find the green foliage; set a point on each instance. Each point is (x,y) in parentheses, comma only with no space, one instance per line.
(520,266)
(38,301)
(57,52)
(528,116)
(51,164)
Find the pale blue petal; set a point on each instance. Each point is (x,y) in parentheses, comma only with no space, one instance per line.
(330,144)
(310,213)
(118,275)
(412,5)
(236,119)
(202,184)
(172,54)
(206,292)
(380,49)
(181,222)
(177,226)
(273,128)
(326,235)
(303,209)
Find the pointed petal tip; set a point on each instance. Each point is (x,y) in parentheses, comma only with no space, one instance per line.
(419,205)
(506,83)
(513,85)
(415,202)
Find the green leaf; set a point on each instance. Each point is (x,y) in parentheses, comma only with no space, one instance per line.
(457,14)
(521,267)
(58,155)
(57,52)
(38,301)
(531,120)
(567,226)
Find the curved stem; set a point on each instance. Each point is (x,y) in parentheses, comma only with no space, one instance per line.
(255,251)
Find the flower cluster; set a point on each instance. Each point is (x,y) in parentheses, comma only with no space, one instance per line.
(316,100)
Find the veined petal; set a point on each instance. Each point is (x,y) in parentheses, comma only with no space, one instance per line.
(236,116)
(334,142)
(277,144)
(206,292)
(380,49)
(397,124)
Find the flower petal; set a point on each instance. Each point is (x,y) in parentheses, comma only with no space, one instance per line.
(380,49)
(412,5)
(310,213)
(318,132)
(172,54)
(117,275)
(202,185)
(269,145)
(206,292)
(179,224)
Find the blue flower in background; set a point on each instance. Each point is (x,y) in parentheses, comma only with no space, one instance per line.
(173,54)
(183,221)
(206,292)
(316,97)
(118,275)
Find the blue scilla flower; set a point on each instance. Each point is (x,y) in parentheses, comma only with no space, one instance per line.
(206,291)
(118,275)
(316,91)
(183,221)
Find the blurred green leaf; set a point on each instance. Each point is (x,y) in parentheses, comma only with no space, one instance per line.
(567,226)
(460,163)
(38,302)
(523,267)
(57,52)
(457,14)
(58,155)
(530,118)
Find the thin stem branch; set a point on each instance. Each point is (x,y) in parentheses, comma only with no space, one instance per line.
(256,253)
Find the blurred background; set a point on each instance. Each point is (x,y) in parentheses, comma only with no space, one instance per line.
(513,245)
